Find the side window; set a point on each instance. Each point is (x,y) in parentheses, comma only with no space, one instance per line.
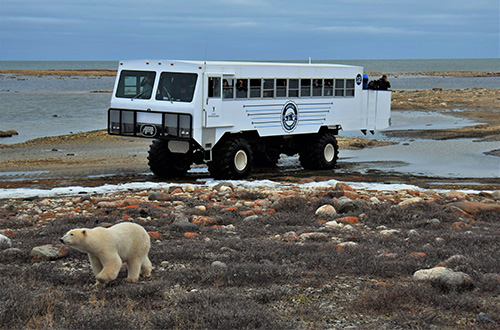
(293,88)
(268,88)
(242,88)
(317,87)
(280,87)
(227,88)
(349,87)
(339,87)
(305,87)
(214,87)
(255,87)
(328,88)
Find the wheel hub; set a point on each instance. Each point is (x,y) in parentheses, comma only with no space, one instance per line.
(329,152)
(240,160)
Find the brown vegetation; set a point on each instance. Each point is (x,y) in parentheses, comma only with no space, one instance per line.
(244,273)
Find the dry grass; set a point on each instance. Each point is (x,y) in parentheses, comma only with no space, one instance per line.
(266,283)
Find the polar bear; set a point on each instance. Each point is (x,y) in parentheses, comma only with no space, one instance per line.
(109,248)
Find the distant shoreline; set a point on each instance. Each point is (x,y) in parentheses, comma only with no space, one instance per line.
(108,72)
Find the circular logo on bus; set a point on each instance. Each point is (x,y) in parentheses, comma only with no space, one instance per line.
(359,79)
(289,116)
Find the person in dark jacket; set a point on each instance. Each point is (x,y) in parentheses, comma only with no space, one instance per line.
(383,83)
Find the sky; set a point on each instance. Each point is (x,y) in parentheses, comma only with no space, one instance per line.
(248,29)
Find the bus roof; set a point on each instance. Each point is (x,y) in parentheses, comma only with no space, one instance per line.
(141,63)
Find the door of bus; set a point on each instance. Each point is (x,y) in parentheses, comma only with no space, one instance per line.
(215,112)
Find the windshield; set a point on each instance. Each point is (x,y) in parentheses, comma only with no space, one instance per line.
(176,87)
(135,84)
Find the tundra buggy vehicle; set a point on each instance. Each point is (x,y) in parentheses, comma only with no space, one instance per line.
(236,115)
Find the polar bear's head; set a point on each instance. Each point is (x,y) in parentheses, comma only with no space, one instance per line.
(75,238)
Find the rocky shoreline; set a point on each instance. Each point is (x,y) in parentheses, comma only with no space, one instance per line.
(374,254)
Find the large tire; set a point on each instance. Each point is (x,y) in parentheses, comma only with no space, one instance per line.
(166,164)
(231,160)
(321,153)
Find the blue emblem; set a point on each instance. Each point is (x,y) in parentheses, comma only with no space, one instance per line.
(289,116)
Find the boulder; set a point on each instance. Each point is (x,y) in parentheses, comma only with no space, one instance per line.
(445,279)
(326,211)
(48,251)
(5,242)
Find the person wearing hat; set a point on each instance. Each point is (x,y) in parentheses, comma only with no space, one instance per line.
(365,81)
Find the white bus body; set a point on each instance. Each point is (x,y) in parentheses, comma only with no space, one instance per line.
(233,115)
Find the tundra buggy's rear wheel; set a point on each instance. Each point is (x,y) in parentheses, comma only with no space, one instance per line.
(231,160)
(165,163)
(321,152)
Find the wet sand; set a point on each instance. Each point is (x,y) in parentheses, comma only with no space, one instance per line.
(95,158)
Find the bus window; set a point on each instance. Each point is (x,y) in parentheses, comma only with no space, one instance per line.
(293,88)
(349,87)
(317,87)
(242,89)
(135,84)
(339,87)
(255,87)
(281,88)
(227,88)
(268,88)
(328,88)
(305,87)
(214,87)
(176,86)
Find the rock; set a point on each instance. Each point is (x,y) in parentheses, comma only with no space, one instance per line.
(333,225)
(454,261)
(389,232)
(348,244)
(48,252)
(348,220)
(291,236)
(410,201)
(326,210)
(250,218)
(219,264)
(191,235)
(184,226)
(484,318)
(201,208)
(314,236)
(158,196)
(456,195)
(4,242)
(343,187)
(12,252)
(224,186)
(445,279)
(345,205)
(474,207)
(154,234)
(496,195)
(201,220)
(374,200)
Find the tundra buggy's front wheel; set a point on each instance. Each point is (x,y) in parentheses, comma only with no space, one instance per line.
(165,163)
(231,160)
(321,152)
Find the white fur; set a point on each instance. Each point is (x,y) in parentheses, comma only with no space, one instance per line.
(109,248)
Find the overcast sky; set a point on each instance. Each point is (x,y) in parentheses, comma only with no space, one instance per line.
(248,29)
